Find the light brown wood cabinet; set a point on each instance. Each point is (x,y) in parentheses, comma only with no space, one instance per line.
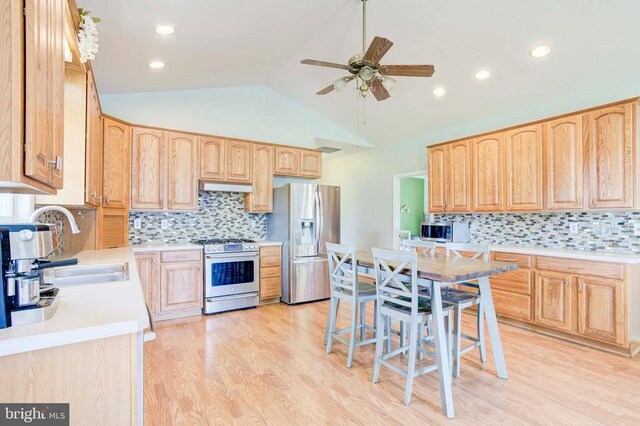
(112,229)
(148,271)
(182,163)
(563,163)
(488,166)
(148,169)
(180,286)
(116,164)
(459,173)
(261,199)
(513,290)
(554,301)
(609,155)
(287,161)
(94,146)
(438,158)
(523,175)
(310,163)
(239,155)
(601,309)
(212,158)
(270,274)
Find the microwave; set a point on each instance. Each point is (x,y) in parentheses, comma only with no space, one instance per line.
(445,232)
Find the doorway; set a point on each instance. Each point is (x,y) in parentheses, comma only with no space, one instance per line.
(409,204)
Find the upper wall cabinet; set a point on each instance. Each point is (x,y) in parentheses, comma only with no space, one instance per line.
(310,163)
(212,158)
(116,161)
(287,161)
(488,166)
(148,169)
(459,177)
(260,200)
(609,155)
(239,155)
(438,158)
(182,163)
(524,168)
(94,146)
(563,163)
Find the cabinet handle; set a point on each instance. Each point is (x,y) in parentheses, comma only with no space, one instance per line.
(93,194)
(57,163)
(509,260)
(580,285)
(575,267)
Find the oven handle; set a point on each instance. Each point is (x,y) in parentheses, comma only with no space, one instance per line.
(222,256)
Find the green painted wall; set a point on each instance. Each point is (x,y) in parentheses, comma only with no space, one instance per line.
(412,194)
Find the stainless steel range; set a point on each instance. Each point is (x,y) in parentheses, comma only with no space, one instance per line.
(231,279)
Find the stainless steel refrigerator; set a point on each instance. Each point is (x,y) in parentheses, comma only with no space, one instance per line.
(304,218)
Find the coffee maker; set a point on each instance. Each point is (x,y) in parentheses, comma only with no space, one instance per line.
(24,297)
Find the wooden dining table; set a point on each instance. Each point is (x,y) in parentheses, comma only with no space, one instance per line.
(442,271)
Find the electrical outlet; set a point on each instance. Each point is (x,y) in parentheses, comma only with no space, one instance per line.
(573,228)
(137,223)
(164,224)
(636,229)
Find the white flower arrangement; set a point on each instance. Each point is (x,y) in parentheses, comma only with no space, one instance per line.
(88,36)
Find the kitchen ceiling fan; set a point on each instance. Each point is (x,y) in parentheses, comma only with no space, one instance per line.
(366,69)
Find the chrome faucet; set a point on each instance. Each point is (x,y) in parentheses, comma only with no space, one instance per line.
(67,213)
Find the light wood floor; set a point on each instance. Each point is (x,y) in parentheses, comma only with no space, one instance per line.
(267,366)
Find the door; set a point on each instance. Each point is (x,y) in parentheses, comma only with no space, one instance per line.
(182,166)
(180,286)
(117,164)
(113,228)
(310,163)
(563,167)
(310,280)
(44,90)
(610,156)
(488,168)
(459,177)
(148,271)
(147,169)
(524,168)
(553,300)
(438,165)
(212,158)
(328,217)
(601,309)
(287,161)
(94,146)
(238,161)
(261,198)
(304,204)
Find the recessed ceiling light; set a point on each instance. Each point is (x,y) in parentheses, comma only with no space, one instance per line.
(483,75)
(156,65)
(165,29)
(540,51)
(439,92)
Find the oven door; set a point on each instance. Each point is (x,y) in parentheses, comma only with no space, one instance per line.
(231,273)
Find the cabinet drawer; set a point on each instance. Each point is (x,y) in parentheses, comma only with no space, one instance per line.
(269,261)
(518,281)
(582,267)
(512,305)
(269,251)
(274,272)
(523,260)
(180,256)
(270,287)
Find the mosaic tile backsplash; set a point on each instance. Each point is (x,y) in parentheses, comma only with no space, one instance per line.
(597,231)
(219,215)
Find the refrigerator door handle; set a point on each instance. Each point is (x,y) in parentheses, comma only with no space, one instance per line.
(317,221)
(320,221)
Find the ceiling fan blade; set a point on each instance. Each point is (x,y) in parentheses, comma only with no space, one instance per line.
(408,70)
(323,64)
(379,90)
(330,88)
(377,49)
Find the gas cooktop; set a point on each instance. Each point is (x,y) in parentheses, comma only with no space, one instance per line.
(226,245)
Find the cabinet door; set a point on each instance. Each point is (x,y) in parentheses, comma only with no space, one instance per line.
(601,309)
(261,199)
(112,228)
(148,271)
(459,177)
(44,90)
(117,164)
(563,163)
(147,169)
(182,164)
(524,168)
(553,300)
(438,166)
(310,163)
(238,161)
(180,286)
(212,158)
(94,146)
(609,154)
(488,169)
(287,161)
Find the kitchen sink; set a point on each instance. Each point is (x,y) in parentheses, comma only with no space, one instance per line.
(91,274)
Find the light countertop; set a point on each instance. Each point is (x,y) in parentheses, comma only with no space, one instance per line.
(267,243)
(600,256)
(140,248)
(86,312)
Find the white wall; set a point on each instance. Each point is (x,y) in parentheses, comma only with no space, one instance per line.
(246,112)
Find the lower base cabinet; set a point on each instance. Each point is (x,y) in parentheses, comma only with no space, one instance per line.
(270,274)
(172,282)
(553,300)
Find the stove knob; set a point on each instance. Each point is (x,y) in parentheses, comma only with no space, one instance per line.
(25,235)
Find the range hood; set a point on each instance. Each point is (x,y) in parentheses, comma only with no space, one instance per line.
(224,187)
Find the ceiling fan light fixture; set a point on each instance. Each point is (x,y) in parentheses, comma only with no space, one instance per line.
(366,73)
(340,84)
(387,82)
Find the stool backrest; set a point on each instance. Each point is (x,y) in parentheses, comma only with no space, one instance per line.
(391,280)
(343,271)
(480,251)
(426,248)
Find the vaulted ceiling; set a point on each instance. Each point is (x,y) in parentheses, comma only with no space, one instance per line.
(594,57)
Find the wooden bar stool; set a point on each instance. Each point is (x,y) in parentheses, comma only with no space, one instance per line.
(343,279)
(399,300)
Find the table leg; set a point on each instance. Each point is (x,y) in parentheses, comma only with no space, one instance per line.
(442,353)
(492,324)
